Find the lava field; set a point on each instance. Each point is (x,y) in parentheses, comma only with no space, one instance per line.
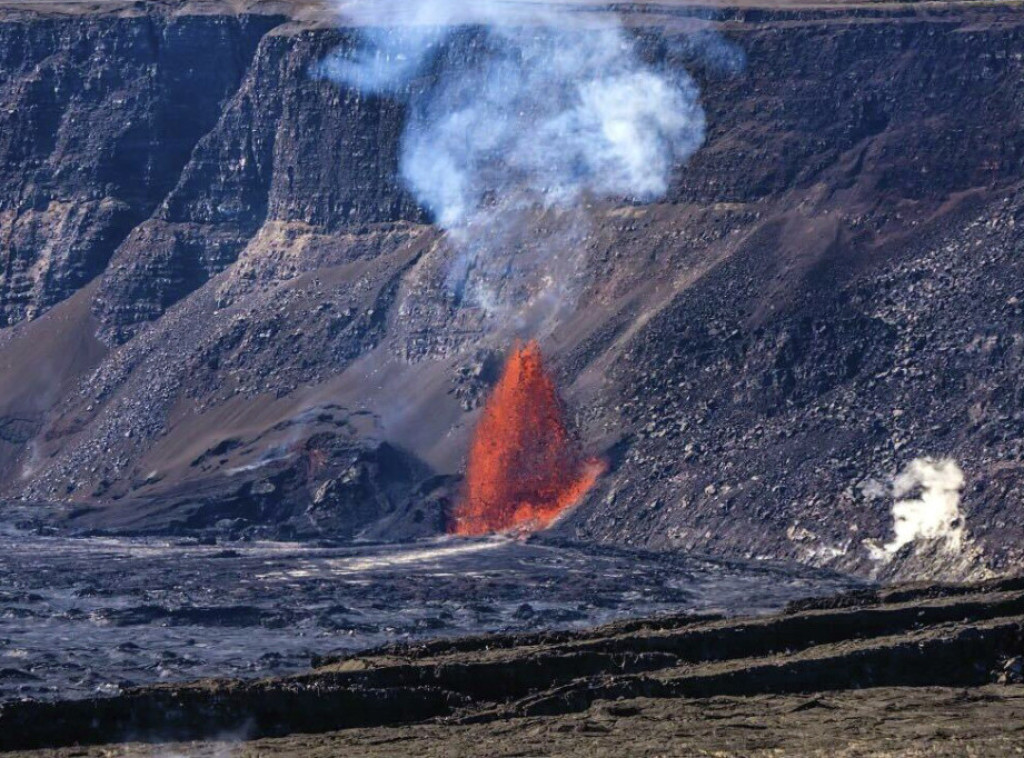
(93,616)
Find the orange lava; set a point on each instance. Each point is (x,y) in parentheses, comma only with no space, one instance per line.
(524,469)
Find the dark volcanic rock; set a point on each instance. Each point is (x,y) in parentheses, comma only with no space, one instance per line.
(290,150)
(99,118)
(133,611)
(970,639)
(838,288)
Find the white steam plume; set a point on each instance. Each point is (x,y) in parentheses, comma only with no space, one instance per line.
(538,108)
(935,513)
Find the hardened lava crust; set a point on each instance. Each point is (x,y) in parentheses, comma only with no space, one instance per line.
(936,669)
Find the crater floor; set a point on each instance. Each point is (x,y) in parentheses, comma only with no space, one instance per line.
(82,617)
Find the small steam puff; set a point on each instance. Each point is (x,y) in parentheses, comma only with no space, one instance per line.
(544,108)
(220,746)
(934,514)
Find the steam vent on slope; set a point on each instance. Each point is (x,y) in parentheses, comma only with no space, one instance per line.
(524,469)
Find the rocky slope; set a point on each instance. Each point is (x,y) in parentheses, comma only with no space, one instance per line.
(222,311)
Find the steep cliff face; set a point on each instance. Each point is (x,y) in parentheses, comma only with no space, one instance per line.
(99,117)
(265,338)
(289,151)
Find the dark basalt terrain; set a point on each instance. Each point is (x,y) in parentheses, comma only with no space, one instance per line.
(94,617)
(661,686)
(892,721)
(222,315)
(236,397)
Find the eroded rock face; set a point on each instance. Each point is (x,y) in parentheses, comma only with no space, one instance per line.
(289,151)
(836,293)
(99,117)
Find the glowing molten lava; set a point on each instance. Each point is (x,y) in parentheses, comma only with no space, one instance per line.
(524,469)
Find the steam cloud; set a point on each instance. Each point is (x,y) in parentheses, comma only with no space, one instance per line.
(935,513)
(543,109)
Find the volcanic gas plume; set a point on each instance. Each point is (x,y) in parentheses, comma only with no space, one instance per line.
(524,469)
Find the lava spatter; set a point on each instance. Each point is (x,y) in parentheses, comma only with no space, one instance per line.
(524,469)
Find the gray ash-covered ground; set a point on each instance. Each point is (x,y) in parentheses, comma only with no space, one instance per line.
(905,670)
(88,616)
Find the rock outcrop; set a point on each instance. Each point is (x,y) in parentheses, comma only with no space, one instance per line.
(100,116)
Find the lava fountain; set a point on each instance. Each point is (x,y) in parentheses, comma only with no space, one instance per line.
(524,468)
